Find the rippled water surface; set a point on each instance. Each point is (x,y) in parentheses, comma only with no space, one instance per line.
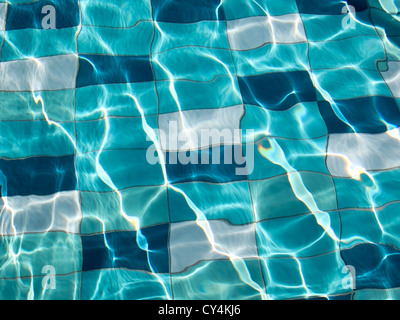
(199,149)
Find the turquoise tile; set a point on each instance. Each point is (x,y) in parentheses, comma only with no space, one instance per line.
(210,34)
(304,119)
(129,168)
(36,138)
(305,155)
(376,294)
(187,95)
(283,278)
(367,226)
(238,9)
(268,194)
(346,53)
(115,13)
(271,58)
(125,285)
(229,202)
(35,43)
(126,100)
(67,287)
(193,63)
(324,28)
(375,190)
(299,236)
(325,275)
(301,155)
(134,41)
(118,169)
(264,168)
(220,280)
(113,133)
(26,255)
(354,83)
(126,211)
(56,106)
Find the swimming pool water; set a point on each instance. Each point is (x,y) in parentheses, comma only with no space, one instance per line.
(108,192)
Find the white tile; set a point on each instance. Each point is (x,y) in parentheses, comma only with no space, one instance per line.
(3,11)
(349,153)
(31,214)
(187,130)
(392,77)
(36,74)
(250,33)
(189,243)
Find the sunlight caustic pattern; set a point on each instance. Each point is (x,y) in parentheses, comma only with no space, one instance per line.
(311,89)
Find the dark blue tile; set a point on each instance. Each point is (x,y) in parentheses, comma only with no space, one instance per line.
(24,16)
(277,91)
(187,11)
(215,171)
(376,266)
(105,69)
(365,115)
(329,7)
(37,176)
(122,250)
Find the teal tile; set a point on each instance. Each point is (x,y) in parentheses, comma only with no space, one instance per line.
(268,194)
(283,278)
(95,102)
(367,226)
(220,280)
(288,154)
(346,53)
(28,43)
(322,28)
(134,41)
(299,236)
(375,190)
(129,168)
(115,13)
(125,285)
(128,210)
(271,58)
(238,9)
(193,63)
(188,95)
(325,275)
(376,294)
(229,202)
(264,168)
(210,34)
(55,106)
(36,138)
(354,83)
(305,155)
(67,287)
(304,118)
(116,169)
(114,133)
(88,177)
(26,255)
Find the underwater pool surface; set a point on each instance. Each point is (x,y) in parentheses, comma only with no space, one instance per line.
(200,149)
